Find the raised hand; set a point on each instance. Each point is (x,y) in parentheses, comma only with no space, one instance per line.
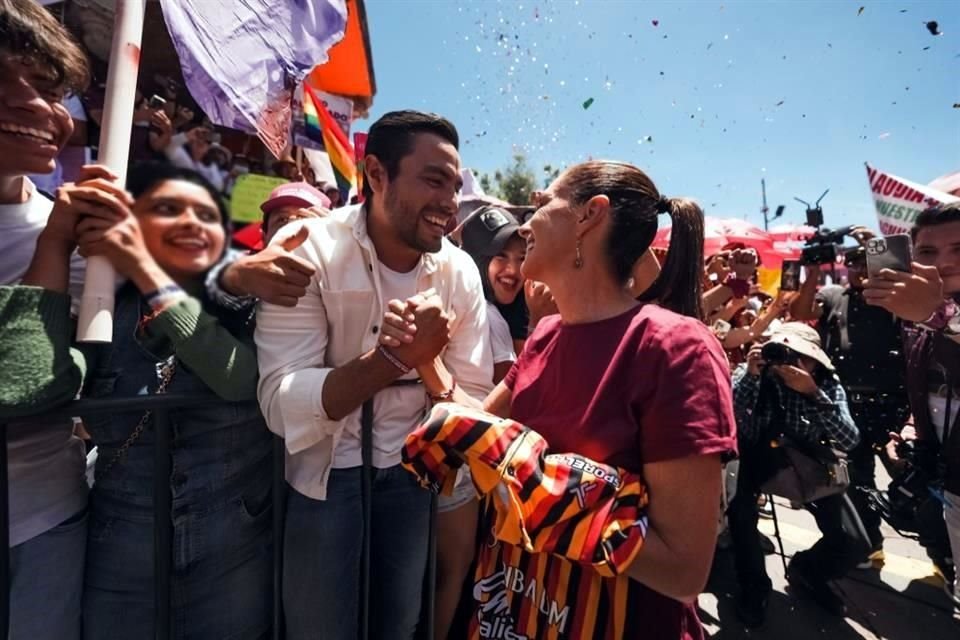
(912,296)
(95,194)
(540,301)
(273,275)
(744,263)
(119,241)
(797,379)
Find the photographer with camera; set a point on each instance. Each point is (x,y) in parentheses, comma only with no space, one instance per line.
(927,296)
(866,345)
(787,395)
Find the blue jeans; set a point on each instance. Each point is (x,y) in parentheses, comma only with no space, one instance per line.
(46,583)
(222,572)
(322,547)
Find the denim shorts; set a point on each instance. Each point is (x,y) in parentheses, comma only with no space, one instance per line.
(463,492)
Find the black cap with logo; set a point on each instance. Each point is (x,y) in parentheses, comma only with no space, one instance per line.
(487,231)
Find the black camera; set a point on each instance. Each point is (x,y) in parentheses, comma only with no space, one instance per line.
(911,493)
(775,353)
(822,246)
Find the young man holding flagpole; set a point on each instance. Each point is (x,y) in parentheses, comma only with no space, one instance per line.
(39,63)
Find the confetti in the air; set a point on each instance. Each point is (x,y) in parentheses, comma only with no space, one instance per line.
(860,10)
(884,135)
(934,28)
(587,103)
(656,23)
(780,104)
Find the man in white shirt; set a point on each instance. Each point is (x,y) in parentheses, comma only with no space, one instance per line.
(323,375)
(39,62)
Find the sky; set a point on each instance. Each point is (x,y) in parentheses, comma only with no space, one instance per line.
(707,97)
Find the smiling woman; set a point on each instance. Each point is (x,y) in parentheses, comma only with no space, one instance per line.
(183,221)
(168,337)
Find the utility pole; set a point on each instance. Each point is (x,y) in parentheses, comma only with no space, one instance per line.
(766,210)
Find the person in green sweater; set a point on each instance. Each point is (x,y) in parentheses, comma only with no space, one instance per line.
(163,237)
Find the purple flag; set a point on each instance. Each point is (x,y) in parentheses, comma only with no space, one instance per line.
(242,61)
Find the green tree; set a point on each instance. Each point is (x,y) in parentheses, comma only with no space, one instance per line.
(485,184)
(550,174)
(513,184)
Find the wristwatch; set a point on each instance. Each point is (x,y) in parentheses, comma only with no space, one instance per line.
(945,320)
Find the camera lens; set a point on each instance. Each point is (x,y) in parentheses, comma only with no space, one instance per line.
(775,353)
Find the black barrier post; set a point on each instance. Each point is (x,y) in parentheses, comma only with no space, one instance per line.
(4,536)
(162,525)
(279,512)
(431,595)
(366,496)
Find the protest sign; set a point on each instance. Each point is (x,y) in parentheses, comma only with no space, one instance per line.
(250,191)
(900,201)
(340,108)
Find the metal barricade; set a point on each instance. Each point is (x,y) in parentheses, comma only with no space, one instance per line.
(161,406)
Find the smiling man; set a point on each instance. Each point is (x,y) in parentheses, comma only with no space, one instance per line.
(324,381)
(39,63)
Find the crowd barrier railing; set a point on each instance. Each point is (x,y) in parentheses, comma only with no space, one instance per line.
(161,406)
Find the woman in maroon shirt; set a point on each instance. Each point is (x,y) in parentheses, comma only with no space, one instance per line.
(643,386)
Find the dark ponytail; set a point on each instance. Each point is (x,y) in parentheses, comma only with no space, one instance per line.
(635,204)
(679,287)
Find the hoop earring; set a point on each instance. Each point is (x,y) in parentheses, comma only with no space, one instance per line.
(578,262)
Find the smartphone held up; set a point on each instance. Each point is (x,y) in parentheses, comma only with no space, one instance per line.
(790,275)
(889,252)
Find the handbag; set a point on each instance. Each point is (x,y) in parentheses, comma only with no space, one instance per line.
(807,472)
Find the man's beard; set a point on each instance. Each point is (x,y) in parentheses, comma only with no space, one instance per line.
(406,222)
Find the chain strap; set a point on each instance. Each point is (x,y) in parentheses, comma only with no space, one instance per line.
(166,375)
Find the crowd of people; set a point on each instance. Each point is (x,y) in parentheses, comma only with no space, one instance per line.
(167,127)
(613,389)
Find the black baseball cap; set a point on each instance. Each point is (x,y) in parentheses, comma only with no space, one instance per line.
(486,232)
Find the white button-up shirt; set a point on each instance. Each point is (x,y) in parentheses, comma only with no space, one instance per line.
(337,321)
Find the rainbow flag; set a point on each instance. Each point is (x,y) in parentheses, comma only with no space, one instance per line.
(320,126)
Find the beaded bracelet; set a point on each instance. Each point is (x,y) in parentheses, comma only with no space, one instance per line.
(158,298)
(443,396)
(392,359)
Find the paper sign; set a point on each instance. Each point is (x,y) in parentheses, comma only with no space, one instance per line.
(250,191)
(340,108)
(900,201)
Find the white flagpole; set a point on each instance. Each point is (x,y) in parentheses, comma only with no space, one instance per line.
(95,323)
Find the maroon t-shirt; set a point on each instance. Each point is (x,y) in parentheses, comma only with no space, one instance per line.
(646,386)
